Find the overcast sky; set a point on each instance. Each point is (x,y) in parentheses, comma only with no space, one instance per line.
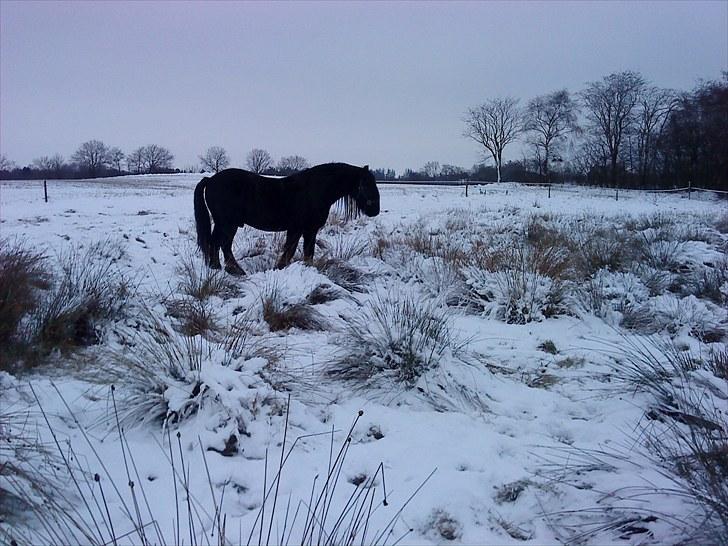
(380,83)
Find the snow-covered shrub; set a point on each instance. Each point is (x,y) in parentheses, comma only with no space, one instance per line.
(721,223)
(609,291)
(686,432)
(280,298)
(282,314)
(28,477)
(164,376)
(398,336)
(674,315)
(597,247)
(658,281)
(660,253)
(513,296)
(440,279)
(342,273)
(710,282)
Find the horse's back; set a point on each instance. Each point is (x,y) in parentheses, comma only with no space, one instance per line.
(243,197)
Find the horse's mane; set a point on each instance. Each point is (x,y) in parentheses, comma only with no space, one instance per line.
(347,208)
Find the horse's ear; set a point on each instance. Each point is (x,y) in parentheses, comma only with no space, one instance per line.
(366,167)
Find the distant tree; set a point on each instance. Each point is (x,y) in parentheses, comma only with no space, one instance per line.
(156,158)
(610,108)
(135,161)
(653,112)
(694,146)
(292,164)
(56,164)
(431,169)
(116,156)
(494,124)
(258,160)
(381,174)
(548,119)
(215,159)
(43,164)
(452,172)
(92,156)
(5,163)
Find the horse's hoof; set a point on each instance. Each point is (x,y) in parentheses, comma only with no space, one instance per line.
(234,270)
(215,266)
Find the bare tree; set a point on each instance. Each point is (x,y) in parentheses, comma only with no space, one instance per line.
(292,164)
(215,159)
(43,164)
(610,108)
(56,165)
(431,169)
(259,160)
(135,161)
(116,156)
(5,163)
(91,155)
(548,120)
(156,158)
(654,109)
(494,124)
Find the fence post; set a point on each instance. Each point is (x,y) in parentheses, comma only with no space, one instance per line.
(690,188)
(466,190)
(45,190)
(549,191)
(616,194)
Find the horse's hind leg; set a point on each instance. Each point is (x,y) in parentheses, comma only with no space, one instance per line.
(309,244)
(289,248)
(231,264)
(214,256)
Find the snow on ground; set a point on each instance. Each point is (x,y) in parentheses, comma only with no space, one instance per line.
(484,420)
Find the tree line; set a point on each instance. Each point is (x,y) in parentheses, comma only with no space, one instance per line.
(620,131)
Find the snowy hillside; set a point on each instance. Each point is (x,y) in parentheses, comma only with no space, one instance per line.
(531,370)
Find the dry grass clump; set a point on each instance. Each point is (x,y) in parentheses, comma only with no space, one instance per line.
(23,274)
(200,282)
(721,223)
(89,289)
(515,287)
(282,315)
(195,317)
(397,336)
(683,436)
(342,273)
(164,376)
(61,310)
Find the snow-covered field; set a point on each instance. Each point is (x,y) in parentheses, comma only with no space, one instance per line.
(506,401)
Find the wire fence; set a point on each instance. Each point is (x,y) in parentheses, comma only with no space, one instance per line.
(484,186)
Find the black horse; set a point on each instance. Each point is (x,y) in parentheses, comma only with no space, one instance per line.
(298,204)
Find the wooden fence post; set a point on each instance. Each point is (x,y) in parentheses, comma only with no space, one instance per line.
(690,188)
(616,194)
(466,190)
(45,190)
(549,191)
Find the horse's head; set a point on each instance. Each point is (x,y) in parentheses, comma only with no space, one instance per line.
(366,193)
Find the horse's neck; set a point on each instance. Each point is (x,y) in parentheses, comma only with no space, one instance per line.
(336,190)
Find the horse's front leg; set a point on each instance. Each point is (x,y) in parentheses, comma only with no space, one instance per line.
(309,244)
(289,248)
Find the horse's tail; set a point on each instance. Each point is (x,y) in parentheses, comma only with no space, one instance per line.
(202,220)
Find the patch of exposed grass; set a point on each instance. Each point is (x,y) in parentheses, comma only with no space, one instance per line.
(397,336)
(548,346)
(281,315)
